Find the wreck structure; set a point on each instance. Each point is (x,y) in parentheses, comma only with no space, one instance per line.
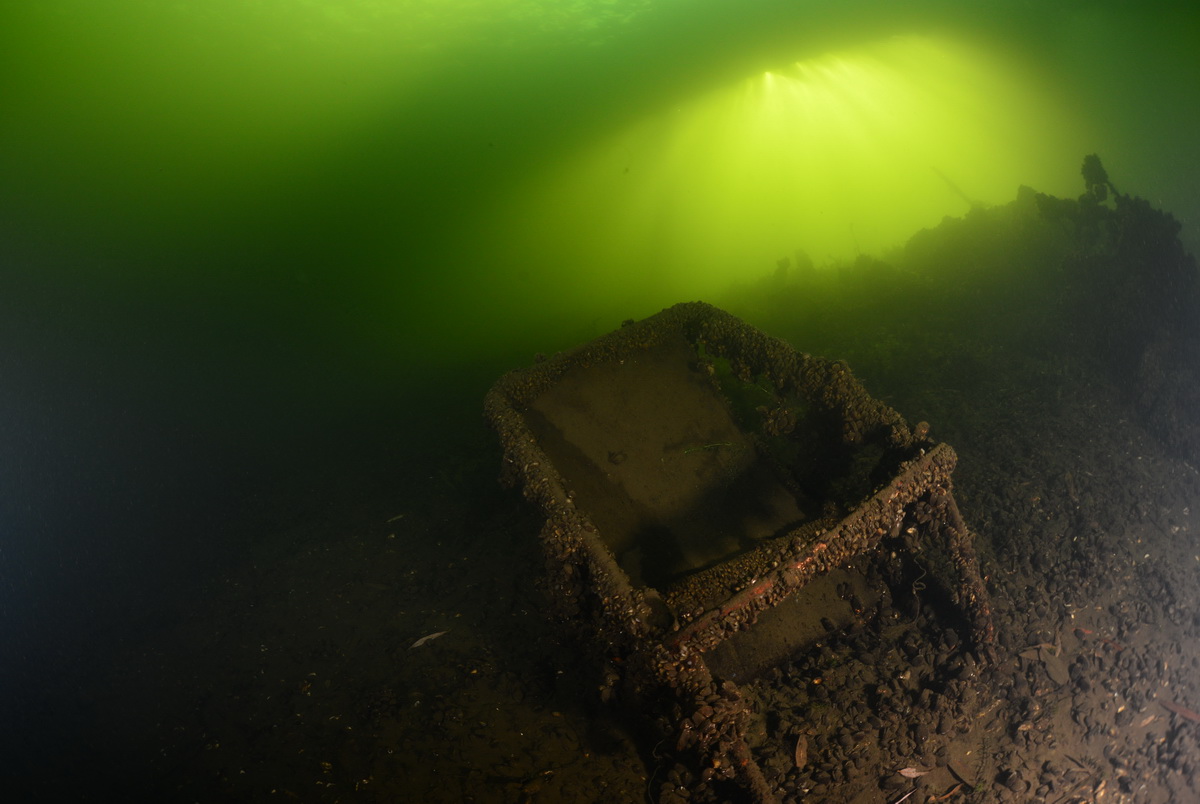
(706,488)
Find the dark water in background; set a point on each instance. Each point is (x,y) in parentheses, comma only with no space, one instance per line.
(222,312)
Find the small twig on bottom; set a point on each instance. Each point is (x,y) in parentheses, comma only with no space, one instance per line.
(947,794)
(905,796)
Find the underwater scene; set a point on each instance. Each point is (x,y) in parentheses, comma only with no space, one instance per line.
(517,401)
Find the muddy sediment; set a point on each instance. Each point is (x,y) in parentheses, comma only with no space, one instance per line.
(1075,474)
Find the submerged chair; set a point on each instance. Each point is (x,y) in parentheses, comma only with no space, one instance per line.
(702,485)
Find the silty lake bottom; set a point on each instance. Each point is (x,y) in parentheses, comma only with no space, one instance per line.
(392,642)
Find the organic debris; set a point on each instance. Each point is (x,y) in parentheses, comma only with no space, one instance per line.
(427,638)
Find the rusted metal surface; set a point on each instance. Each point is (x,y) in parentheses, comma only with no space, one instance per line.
(844,471)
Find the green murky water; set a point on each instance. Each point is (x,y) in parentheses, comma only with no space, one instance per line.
(448,179)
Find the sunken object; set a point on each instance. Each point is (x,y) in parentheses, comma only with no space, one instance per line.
(706,488)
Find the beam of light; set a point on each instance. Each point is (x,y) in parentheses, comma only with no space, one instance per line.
(846,153)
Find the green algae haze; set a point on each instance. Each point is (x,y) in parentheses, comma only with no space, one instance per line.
(369,180)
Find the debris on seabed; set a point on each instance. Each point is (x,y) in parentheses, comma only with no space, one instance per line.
(427,638)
